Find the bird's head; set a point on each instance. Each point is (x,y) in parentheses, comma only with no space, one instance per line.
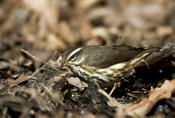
(73,56)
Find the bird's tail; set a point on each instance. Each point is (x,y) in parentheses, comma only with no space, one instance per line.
(142,55)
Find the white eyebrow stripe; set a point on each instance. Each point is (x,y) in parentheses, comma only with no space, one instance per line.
(74,52)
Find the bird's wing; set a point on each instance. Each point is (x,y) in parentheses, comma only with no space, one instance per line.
(106,56)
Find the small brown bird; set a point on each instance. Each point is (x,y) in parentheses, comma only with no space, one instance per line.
(104,65)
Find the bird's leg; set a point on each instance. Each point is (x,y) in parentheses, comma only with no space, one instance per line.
(113,89)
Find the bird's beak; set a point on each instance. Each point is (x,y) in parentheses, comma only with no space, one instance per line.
(62,65)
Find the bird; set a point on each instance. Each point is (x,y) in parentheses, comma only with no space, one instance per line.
(104,65)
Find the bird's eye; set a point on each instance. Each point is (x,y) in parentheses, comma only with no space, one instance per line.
(73,57)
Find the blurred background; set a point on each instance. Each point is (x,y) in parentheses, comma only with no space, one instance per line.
(44,26)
